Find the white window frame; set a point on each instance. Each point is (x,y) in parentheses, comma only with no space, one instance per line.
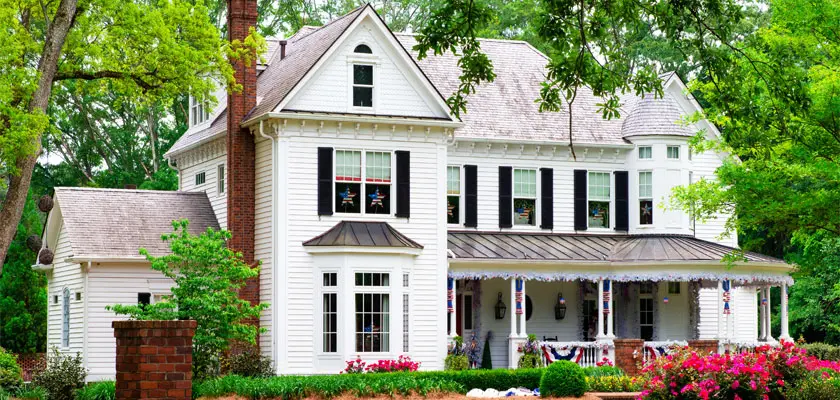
(334,290)
(382,290)
(362,59)
(460,194)
(647,296)
(221,179)
(668,149)
(65,318)
(645,198)
(535,197)
(392,198)
(611,200)
(199,112)
(406,322)
(639,153)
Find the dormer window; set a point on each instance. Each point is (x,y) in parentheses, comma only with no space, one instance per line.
(199,111)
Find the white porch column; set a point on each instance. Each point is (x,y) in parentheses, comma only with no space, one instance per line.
(600,334)
(784,334)
(512,311)
(610,317)
(523,316)
(768,317)
(450,305)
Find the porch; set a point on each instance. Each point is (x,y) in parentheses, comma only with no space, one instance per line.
(578,308)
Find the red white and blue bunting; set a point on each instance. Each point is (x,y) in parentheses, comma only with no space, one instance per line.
(556,353)
(755,279)
(450,295)
(659,349)
(727,297)
(519,287)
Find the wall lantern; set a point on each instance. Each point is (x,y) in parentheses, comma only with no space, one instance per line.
(560,307)
(500,308)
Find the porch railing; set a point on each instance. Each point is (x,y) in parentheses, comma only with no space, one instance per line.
(656,349)
(585,354)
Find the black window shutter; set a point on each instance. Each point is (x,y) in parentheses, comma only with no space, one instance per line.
(622,203)
(505,197)
(547,198)
(403,184)
(325,180)
(470,196)
(580,200)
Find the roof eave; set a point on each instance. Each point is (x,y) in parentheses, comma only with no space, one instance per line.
(315,249)
(353,118)
(545,142)
(105,258)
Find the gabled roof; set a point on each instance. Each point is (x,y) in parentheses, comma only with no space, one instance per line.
(363,234)
(115,223)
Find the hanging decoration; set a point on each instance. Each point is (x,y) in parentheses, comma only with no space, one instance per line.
(450,295)
(500,308)
(606,297)
(665,300)
(449,208)
(754,279)
(659,349)
(519,285)
(727,297)
(347,197)
(376,198)
(567,353)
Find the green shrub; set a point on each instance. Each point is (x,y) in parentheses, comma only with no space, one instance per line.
(823,351)
(63,376)
(815,389)
(11,376)
(104,390)
(500,379)
(30,392)
(530,361)
(250,363)
(604,370)
(456,362)
(613,384)
(563,379)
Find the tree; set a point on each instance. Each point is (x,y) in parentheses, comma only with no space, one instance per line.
(147,52)
(208,276)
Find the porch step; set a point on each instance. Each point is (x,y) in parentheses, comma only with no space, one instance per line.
(616,396)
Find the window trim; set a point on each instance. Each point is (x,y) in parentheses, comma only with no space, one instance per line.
(649,296)
(644,198)
(363,181)
(389,290)
(221,179)
(513,197)
(668,155)
(611,176)
(336,289)
(461,187)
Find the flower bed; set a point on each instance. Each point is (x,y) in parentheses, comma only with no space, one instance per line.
(769,372)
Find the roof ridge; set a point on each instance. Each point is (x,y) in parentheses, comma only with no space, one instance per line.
(95,189)
(516,41)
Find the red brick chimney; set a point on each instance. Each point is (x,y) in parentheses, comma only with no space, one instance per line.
(242,14)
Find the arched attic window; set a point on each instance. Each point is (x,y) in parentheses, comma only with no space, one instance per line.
(363,48)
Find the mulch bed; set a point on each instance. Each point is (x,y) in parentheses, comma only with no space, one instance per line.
(440,396)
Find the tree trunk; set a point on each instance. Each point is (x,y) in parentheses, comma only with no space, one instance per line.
(15,200)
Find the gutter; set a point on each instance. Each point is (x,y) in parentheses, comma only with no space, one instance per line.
(100,259)
(353,118)
(545,143)
(274,262)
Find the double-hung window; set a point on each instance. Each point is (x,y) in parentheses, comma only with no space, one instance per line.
(220,179)
(599,200)
(646,311)
(362,85)
(373,312)
(350,180)
(199,111)
(645,198)
(453,195)
(329,288)
(645,153)
(673,152)
(524,196)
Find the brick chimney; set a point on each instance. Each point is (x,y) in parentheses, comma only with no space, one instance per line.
(242,14)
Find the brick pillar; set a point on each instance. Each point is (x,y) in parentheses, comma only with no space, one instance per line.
(705,346)
(628,355)
(154,359)
(241,149)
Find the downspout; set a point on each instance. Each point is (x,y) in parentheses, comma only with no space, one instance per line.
(274,262)
(85,295)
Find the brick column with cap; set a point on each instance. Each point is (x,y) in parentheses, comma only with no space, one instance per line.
(154,359)
(704,346)
(628,355)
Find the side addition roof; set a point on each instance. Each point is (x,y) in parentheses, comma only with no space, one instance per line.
(114,223)
(363,234)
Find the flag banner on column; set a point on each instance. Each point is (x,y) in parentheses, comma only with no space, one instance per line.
(727,297)
(519,285)
(606,296)
(450,295)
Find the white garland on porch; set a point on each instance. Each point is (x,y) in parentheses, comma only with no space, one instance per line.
(743,279)
(571,345)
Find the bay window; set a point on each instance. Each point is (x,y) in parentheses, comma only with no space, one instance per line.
(372,312)
(599,199)
(330,312)
(524,196)
(453,195)
(645,198)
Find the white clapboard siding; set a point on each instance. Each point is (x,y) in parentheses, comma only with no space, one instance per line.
(65,275)
(263,238)
(110,284)
(704,166)
(397,89)
(210,167)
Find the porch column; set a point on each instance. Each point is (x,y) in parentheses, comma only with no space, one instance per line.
(784,334)
(600,334)
(610,310)
(762,326)
(512,313)
(522,310)
(768,316)
(450,305)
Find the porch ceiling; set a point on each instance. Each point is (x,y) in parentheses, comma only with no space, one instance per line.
(510,246)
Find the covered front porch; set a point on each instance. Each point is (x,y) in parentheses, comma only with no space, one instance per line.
(577,308)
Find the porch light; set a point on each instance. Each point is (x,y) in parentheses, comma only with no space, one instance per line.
(560,307)
(500,308)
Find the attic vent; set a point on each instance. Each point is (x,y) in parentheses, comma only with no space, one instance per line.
(363,48)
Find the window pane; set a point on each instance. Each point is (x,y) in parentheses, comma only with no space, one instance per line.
(599,186)
(453,180)
(525,183)
(378,199)
(378,167)
(599,214)
(348,199)
(523,211)
(348,165)
(363,74)
(468,315)
(645,184)
(645,212)
(645,153)
(373,322)
(453,209)
(673,152)
(673,288)
(362,97)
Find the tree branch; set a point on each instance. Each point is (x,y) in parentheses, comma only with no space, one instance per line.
(90,76)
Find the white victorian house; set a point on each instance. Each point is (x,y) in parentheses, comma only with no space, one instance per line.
(385,225)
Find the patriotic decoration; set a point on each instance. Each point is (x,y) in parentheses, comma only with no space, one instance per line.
(727,297)
(646,209)
(764,301)
(628,276)
(665,300)
(653,350)
(568,353)
(519,296)
(450,295)
(523,212)
(347,197)
(606,296)
(376,198)
(449,208)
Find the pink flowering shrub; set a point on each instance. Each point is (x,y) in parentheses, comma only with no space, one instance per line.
(765,374)
(605,362)
(402,364)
